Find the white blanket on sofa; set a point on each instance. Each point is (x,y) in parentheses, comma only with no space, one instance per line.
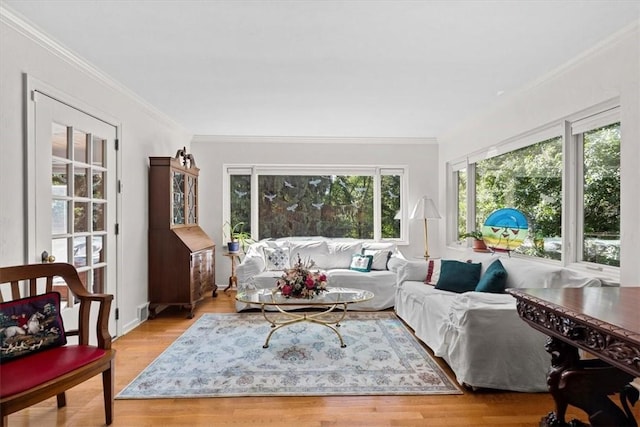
(480,335)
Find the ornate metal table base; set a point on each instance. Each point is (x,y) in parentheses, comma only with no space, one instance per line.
(327,302)
(586,384)
(319,318)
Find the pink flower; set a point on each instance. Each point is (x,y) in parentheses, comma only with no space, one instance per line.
(286,290)
(310,282)
(323,277)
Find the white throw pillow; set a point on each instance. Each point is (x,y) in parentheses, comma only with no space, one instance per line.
(380,258)
(276,258)
(433,271)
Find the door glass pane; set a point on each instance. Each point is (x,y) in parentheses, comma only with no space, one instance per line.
(98,185)
(98,252)
(98,280)
(80,146)
(98,151)
(84,276)
(81,214)
(80,181)
(98,216)
(59,216)
(80,251)
(59,179)
(59,249)
(59,144)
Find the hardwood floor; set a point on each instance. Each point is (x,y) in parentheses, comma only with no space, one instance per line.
(139,347)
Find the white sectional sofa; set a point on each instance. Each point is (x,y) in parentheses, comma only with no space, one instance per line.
(480,334)
(265,261)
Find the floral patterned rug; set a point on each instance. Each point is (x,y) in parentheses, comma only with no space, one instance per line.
(221,355)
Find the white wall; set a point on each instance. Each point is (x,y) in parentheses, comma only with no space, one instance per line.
(421,156)
(611,69)
(144,133)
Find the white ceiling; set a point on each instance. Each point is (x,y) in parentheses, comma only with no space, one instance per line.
(326,68)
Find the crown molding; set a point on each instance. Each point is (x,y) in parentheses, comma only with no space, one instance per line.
(246,139)
(21,25)
(604,44)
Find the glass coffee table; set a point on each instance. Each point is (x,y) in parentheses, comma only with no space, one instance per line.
(332,306)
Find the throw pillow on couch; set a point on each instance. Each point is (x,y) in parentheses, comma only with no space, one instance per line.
(458,276)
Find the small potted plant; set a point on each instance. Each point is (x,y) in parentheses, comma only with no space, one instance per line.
(478,243)
(238,238)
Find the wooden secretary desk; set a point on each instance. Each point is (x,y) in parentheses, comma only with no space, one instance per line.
(181,255)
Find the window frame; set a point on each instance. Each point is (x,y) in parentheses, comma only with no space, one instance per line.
(571,129)
(255,170)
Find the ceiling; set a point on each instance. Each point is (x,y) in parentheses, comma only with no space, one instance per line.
(326,68)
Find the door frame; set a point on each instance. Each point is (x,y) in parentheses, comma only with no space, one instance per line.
(32,85)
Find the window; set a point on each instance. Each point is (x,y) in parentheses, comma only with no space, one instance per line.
(565,178)
(599,199)
(530,180)
(461,181)
(240,196)
(358,202)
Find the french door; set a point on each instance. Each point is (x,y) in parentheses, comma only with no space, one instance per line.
(74,196)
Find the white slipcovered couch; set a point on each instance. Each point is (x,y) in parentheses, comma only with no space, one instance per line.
(265,261)
(480,334)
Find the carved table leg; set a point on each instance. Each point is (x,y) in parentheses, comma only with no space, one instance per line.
(584,384)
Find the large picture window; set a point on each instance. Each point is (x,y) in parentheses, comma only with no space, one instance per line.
(567,185)
(274,202)
(530,180)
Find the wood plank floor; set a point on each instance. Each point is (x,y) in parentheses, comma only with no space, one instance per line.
(139,347)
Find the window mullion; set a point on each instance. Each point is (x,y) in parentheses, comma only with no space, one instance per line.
(255,205)
(572,193)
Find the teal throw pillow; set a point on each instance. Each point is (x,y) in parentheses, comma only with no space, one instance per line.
(493,280)
(458,276)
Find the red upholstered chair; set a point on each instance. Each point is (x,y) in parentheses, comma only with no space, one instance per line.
(49,371)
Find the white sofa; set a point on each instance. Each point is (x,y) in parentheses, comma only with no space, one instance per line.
(263,264)
(479,334)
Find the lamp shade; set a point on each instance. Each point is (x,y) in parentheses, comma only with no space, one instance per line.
(425,209)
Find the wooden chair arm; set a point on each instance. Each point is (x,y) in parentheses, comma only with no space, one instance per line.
(102,324)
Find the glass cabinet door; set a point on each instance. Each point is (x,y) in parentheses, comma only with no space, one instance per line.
(178,208)
(192,192)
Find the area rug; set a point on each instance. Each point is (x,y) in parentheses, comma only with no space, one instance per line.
(221,355)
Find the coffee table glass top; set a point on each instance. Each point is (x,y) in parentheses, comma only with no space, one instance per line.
(331,296)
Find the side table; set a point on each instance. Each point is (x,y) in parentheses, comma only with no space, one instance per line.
(233,280)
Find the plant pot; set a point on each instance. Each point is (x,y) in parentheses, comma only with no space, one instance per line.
(233,247)
(479,246)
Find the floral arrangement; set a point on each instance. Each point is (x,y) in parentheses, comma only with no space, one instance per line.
(301,282)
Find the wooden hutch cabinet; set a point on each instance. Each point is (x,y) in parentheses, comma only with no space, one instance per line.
(181,255)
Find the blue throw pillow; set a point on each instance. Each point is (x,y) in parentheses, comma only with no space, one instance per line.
(457,276)
(493,280)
